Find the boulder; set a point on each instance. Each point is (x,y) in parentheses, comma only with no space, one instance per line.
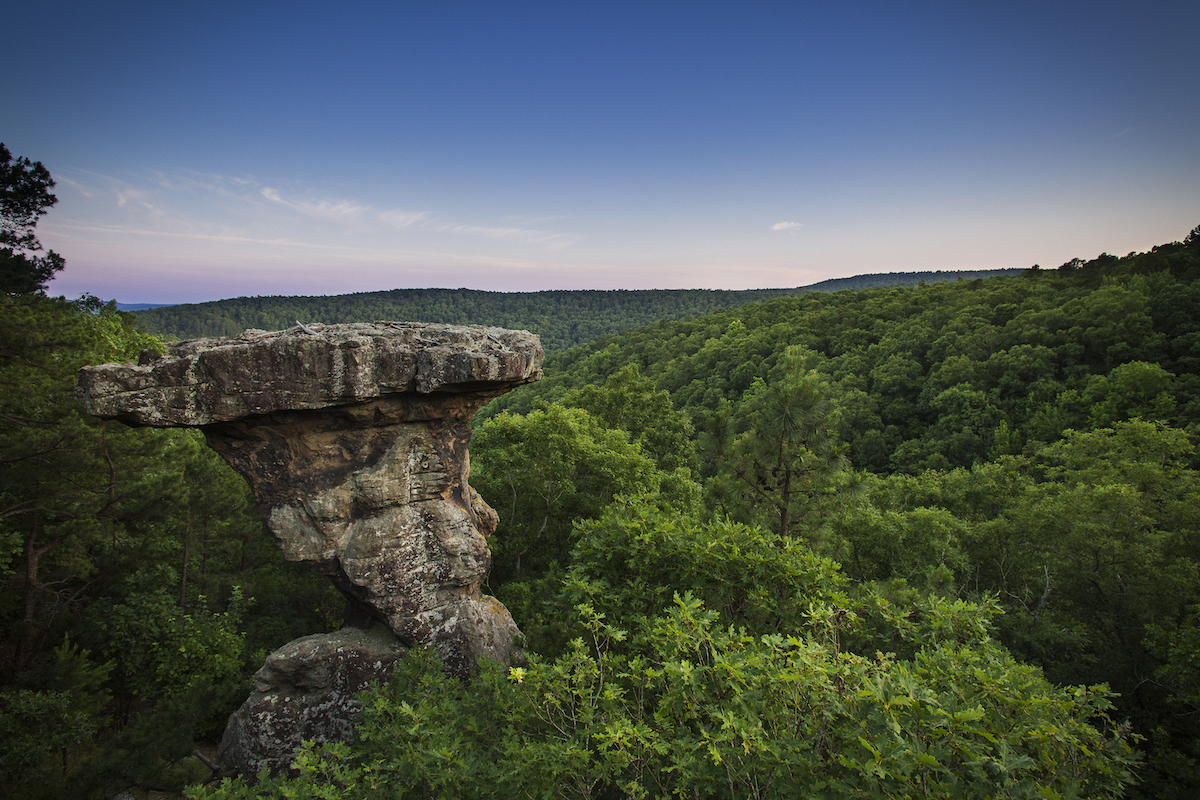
(353,439)
(305,692)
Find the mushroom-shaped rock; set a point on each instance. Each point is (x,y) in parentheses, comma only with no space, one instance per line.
(353,439)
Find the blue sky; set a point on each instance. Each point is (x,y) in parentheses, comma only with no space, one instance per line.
(210,150)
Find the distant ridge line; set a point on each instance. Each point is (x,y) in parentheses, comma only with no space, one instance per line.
(562,318)
(881,279)
(142,306)
(875,279)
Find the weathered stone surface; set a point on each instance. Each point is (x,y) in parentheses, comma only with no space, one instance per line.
(376,495)
(305,691)
(202,381)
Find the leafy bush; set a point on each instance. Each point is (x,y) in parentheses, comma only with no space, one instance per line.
(687,707)
(815,690)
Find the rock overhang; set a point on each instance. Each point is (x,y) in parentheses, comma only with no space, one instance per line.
(201,382)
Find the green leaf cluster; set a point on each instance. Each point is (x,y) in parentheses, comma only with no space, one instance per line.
(24,196)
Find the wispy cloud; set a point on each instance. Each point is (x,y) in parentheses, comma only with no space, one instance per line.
(131,213)
(786,226)
(341,212)
(204,237)
(519,219)
(86,191)
(197,183)
(361,216)
(548,239)
(397,218)
(136,197)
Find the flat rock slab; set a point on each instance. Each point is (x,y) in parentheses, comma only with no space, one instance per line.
(204,381)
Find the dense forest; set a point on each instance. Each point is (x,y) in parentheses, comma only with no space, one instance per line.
(928,540)
(941,376)
(1023,442)
(561,318)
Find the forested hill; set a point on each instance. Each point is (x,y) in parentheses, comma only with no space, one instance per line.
(941,375)
(562,318)
(1027,441)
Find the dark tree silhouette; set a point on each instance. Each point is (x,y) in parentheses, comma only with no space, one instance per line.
(24,196)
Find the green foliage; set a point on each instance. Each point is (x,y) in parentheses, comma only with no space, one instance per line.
(83,681)
(630,562)
(923,546)
(46,730)
(1114,528)
(58,741)
(786,456)
(24,273)
(959,393)
(1178,652)
(39,729)
(683,706)
(658,696)
(1026,484)
(161,649)
(926,376)
(547,470)
(131,543)
(544,470)
(629,402)
(72,489)
(1089,545)
(561,318)
(1134,390)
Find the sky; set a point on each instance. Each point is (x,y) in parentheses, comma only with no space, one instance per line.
(224,149)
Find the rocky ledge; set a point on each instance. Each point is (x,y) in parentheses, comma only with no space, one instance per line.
(204,381)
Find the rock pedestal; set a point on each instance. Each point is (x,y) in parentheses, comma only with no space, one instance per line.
(353,439)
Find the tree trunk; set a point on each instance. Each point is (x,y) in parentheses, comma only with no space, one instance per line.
(183,571)
(26,636)
(785,502)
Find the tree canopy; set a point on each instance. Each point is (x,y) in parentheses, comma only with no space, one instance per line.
(24,196)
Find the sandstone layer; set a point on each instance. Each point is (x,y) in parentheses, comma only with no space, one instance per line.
(353,439)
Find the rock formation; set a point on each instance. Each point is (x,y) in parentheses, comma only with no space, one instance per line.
(305,692)
(353,439)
